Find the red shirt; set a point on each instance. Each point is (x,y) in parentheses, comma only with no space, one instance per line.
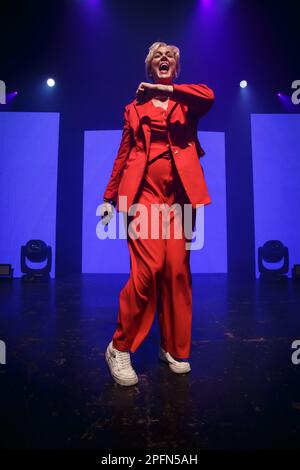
(159,143)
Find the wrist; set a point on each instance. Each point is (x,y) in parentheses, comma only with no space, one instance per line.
(165,89)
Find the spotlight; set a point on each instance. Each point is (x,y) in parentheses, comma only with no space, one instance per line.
(50,82)
(243,83)
(38,252)
(11,96)
(285,101)
(273,251)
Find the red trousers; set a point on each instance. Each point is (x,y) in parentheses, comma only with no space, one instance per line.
(160,277)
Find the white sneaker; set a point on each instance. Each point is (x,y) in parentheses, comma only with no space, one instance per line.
(120,367)
(176,366)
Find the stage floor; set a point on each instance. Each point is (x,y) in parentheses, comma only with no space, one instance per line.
(56,391)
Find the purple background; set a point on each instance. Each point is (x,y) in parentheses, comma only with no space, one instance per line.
(276,181)
(28,182)
(111,255)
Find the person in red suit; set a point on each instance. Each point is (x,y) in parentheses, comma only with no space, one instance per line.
(158,163)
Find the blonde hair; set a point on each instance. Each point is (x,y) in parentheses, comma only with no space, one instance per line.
(153,48)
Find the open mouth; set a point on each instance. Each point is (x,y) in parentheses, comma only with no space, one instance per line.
(164,67)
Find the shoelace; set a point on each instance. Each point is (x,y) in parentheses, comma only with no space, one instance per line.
(123,358)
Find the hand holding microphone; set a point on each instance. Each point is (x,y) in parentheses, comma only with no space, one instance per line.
(106,212)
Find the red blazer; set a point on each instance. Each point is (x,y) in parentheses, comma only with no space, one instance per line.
(188,103)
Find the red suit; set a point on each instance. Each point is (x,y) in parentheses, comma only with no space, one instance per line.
(158,162)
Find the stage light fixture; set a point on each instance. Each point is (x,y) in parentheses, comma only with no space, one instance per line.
(273,252)
(36,251)
(296,272)
(243,83)
(50,82)
(6,271)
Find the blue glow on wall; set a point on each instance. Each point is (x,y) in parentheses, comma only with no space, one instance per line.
(276,180)
(28,180)
(111,255)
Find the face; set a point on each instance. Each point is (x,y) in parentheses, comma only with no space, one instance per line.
(163,65)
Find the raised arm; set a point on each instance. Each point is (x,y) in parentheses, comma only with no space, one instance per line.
(111,191)
(198,97)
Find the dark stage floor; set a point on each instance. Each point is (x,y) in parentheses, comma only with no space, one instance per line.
(56,390)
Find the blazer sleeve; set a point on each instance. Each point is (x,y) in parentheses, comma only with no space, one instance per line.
(198,97)
(111,191)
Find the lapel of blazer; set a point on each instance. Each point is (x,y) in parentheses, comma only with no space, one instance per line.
(144,111)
